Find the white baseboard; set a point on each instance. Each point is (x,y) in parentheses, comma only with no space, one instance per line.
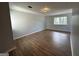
(4,54)
(71,45)
(59,30)
(28,34)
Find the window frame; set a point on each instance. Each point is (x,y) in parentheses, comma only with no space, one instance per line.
(60,18)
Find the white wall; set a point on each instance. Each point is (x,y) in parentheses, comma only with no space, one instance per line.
(50,23)
(75,32)
(26,23)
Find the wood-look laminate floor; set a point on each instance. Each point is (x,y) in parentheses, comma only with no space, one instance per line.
(44,43)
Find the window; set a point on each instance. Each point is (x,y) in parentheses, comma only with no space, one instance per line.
(60,20)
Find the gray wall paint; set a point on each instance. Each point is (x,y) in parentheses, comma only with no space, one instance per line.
(50,23)
(6,39)
(26,23)
(75,32)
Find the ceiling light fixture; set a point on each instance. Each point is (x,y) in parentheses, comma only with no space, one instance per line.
(29,6)
(45,9)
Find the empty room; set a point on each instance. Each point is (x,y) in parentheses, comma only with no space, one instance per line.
(39,28)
